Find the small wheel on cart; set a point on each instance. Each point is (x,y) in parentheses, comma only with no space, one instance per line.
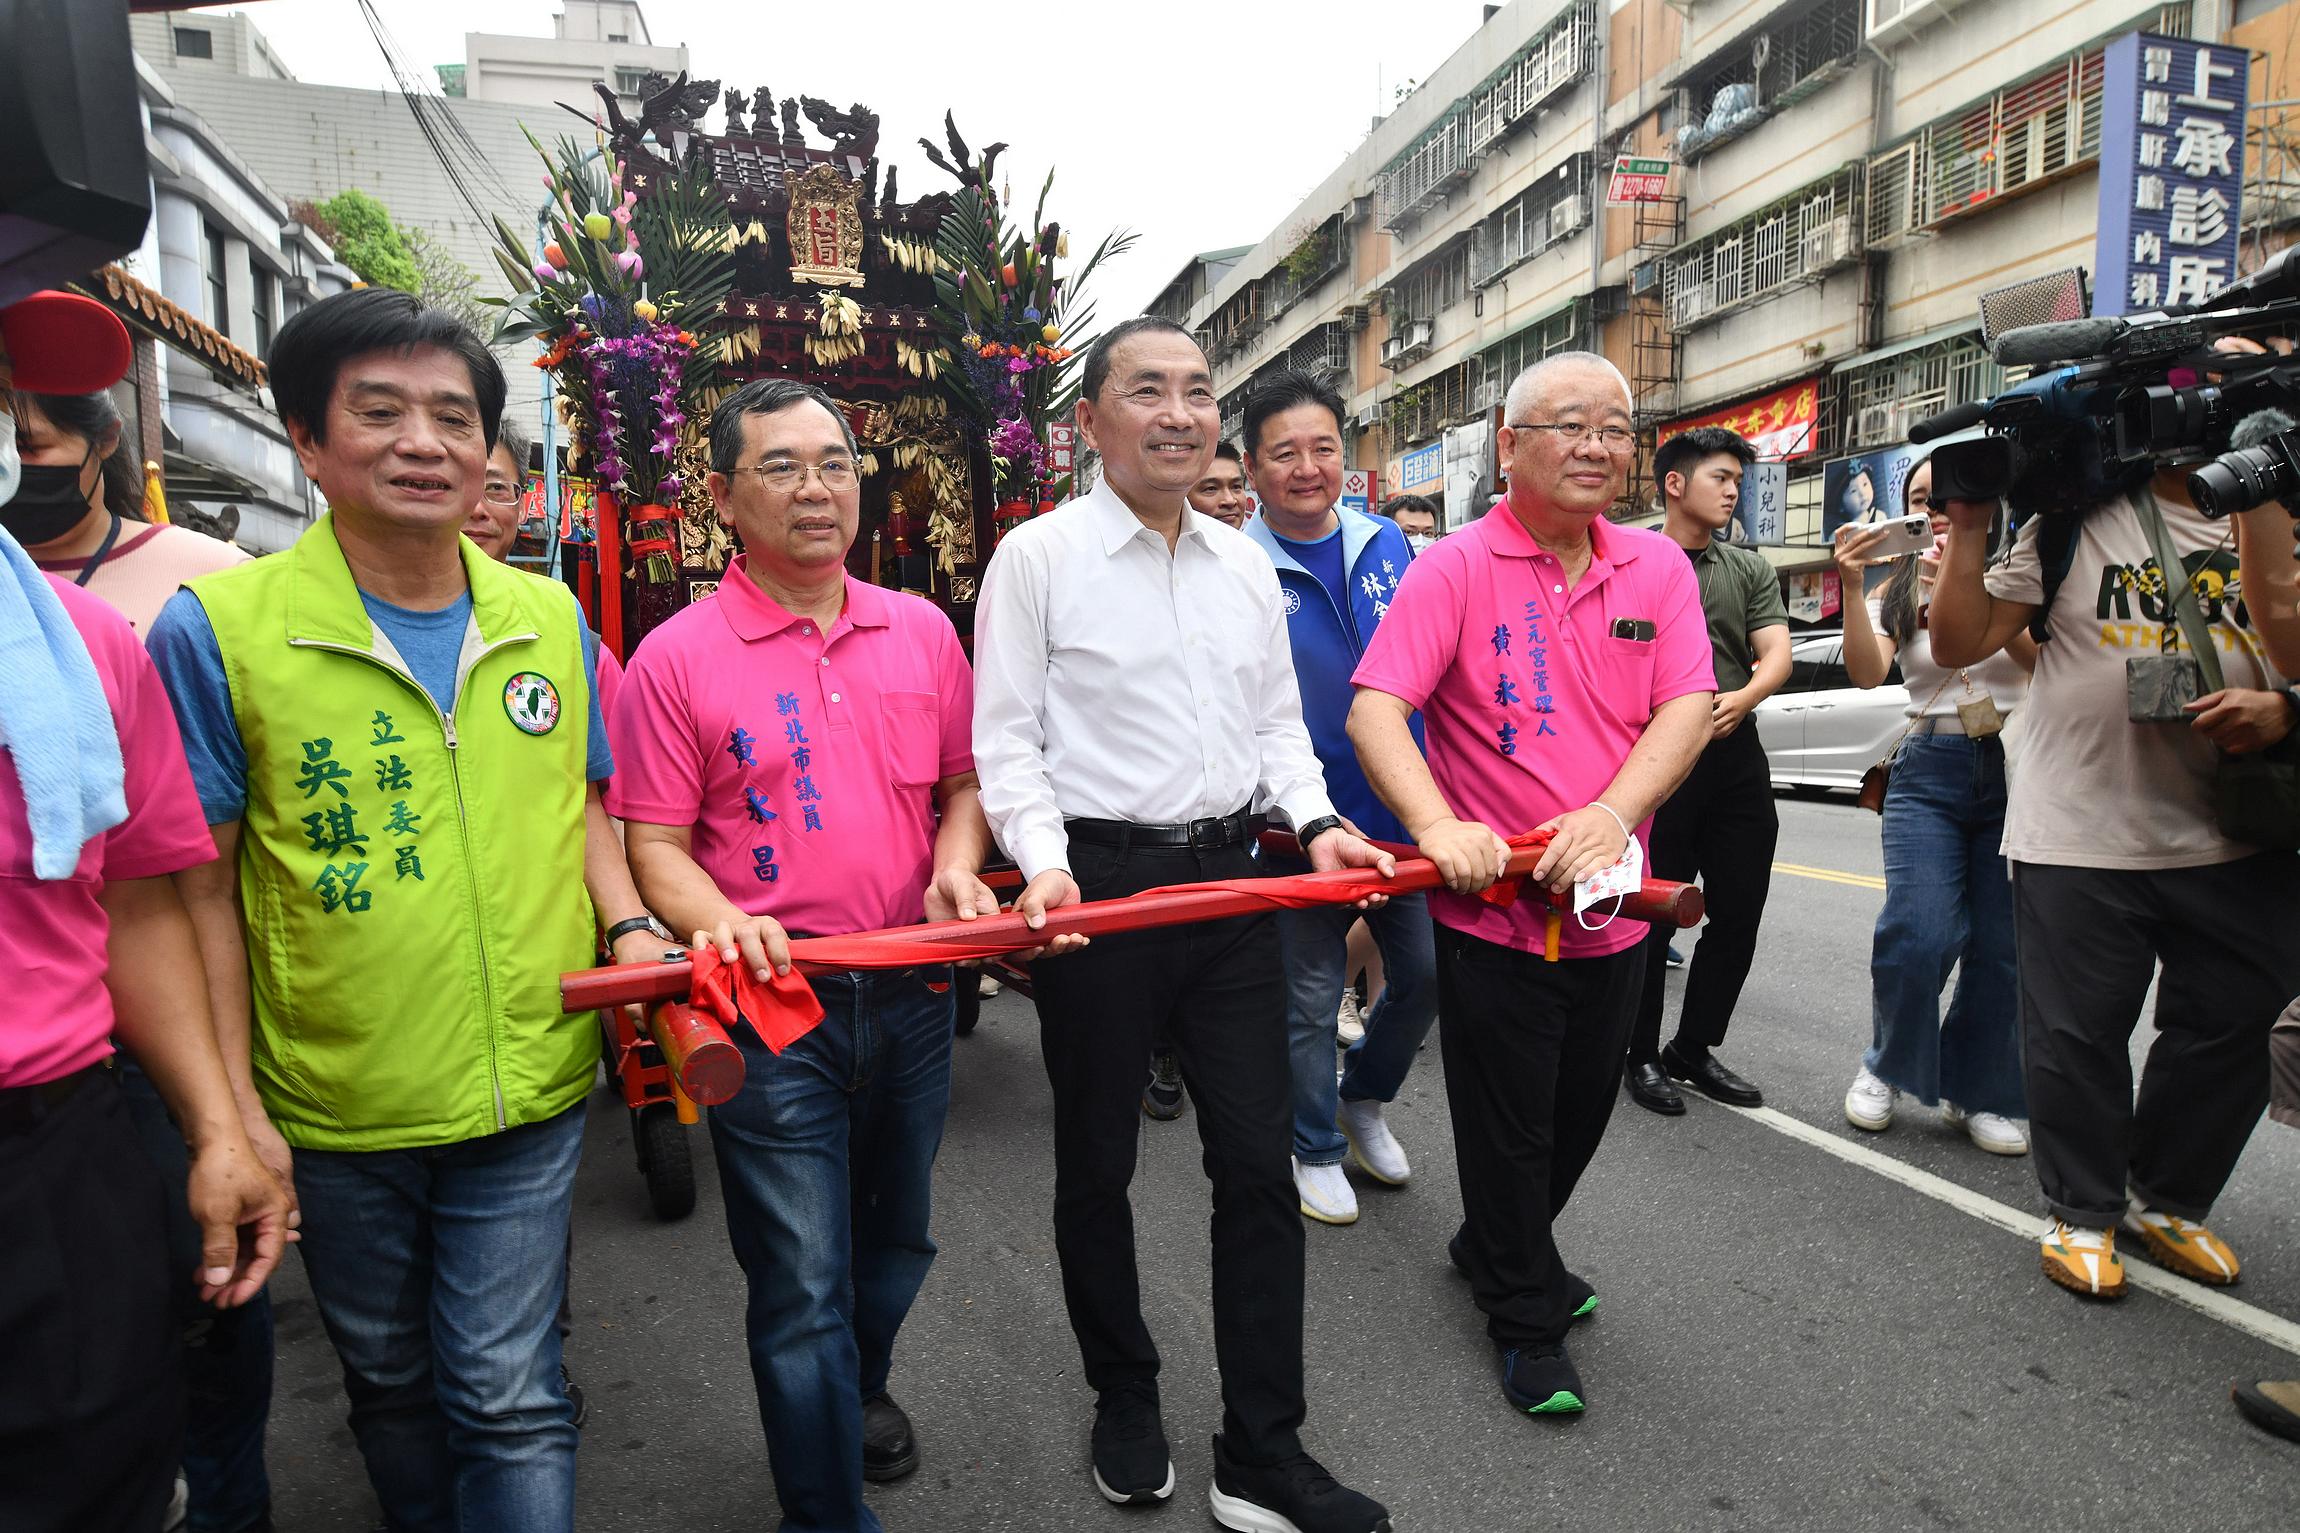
(966,993)
(666,1161)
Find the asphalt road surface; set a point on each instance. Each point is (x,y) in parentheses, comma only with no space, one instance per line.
(1788,1338)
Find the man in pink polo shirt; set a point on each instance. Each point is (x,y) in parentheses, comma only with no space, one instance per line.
(782,750)
(1561,667)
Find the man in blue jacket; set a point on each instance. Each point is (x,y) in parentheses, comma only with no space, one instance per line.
(1338,568)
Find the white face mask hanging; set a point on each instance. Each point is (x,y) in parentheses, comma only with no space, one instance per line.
(1615,883)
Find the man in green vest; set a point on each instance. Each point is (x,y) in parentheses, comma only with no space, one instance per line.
(398,748)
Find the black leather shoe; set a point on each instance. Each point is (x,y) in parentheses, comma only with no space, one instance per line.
(1650,1089)
(890,1451)
(1710,1078)
(1131,1464)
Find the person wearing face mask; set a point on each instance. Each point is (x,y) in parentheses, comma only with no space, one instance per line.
(1416,516)
(77,511)
(77,514)
(1948,896)
(97,817)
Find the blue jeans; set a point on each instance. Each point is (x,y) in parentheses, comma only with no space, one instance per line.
(826,1159)
(1948,901)
(1316,948)
(438,1273)
(227,1353)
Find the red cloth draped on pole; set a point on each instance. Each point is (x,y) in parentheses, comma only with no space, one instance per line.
(784,1009)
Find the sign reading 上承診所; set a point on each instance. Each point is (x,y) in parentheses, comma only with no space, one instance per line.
(2171,171)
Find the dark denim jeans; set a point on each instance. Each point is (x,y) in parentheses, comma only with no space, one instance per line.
(826,1159)
(1316,948)
(1948,902)
(438,1273)
(227,1352)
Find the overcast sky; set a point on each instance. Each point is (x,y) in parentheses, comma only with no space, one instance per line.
(1198,125)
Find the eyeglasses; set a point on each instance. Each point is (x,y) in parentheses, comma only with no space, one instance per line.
(499,494)
(787,475)
(1574,433)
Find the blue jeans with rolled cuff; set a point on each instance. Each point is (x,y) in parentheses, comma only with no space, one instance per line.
(1316,948)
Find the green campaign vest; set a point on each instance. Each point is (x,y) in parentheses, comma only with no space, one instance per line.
(411,884)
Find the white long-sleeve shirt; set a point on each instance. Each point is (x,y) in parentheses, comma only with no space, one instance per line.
(1115,680)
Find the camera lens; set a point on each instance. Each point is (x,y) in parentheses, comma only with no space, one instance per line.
(2240,480)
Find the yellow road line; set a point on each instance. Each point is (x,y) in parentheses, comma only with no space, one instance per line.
(1830,875)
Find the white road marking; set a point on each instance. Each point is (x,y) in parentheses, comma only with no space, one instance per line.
(2213,1303)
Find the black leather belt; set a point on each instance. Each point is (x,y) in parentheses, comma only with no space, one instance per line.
(1240,829)
(23,1107)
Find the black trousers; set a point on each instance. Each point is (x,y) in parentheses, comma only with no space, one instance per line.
(1721,827)
(91,1369)
(1533,1058)
(2088,940)
(1218,988)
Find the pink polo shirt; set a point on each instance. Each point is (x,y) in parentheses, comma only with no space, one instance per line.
(53,935)
(805,762)
(1530,701)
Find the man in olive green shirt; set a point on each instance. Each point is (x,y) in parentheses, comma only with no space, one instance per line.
(1720,825)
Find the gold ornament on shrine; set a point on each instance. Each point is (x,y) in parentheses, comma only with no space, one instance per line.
(825,227)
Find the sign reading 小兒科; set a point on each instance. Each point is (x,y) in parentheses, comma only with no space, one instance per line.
(1636,179)
(2171,171)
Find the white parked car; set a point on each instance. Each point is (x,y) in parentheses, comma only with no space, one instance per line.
(1821,731)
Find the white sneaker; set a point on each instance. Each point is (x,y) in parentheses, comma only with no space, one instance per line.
(1869,1102)
(986,987)
(1990,1131)
(1372,1144)
(1326,1194)
(1349,1022)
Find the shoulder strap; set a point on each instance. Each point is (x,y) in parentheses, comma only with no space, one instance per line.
(2056,553)
(2179,591)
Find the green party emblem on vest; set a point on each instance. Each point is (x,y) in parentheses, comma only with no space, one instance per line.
(532,702)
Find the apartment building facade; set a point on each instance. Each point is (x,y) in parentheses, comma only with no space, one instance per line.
(1845,178)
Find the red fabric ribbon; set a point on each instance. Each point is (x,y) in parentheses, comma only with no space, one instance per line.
(781,1010)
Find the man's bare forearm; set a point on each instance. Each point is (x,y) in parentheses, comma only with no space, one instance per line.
(963,839)
(210,894)
(673,885)
(1394,768)
(606,868)
(160,1007)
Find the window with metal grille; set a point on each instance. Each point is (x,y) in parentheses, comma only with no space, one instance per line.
(1418,177)
(1799,239)
(1431,286)
(1550,60)
(1419,413)
(1882,399)
(1755,76)
(1499,364)
(2021,137)
(1553,209)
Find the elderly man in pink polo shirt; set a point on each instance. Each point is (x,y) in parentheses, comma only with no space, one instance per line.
(782,752)
(1561,667)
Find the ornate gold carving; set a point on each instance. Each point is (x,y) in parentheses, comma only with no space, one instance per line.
(825,228)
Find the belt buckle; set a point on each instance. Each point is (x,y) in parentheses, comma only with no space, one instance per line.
(1205,835)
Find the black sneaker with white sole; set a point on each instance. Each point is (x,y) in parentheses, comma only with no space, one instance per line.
(1131,1464)
(1294,1495)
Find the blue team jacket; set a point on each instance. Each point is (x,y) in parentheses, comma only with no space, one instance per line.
(1375,554)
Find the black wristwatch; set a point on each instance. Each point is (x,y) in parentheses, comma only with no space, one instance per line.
(630,924)
(1317,828)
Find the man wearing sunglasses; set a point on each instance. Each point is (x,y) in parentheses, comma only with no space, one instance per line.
(789,743)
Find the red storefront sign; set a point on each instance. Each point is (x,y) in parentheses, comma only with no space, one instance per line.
(1779,425)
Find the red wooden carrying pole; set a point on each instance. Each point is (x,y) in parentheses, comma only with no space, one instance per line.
(608,516)
(701,1057)
(621,984)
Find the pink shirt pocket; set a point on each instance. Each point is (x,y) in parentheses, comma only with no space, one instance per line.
(913,737)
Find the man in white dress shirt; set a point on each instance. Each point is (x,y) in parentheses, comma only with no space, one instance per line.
(1135,715)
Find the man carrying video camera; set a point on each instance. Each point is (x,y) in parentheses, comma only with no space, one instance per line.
(2119,856)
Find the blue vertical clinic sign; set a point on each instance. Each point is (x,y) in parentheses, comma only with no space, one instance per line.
(2171,171)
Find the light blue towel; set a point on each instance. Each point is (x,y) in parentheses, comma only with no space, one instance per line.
(54,719)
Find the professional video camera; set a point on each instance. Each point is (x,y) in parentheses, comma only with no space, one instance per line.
(2123,396)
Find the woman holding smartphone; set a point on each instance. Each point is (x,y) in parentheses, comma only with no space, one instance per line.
(1948,897)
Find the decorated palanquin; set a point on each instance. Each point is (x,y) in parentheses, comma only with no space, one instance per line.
(685,262)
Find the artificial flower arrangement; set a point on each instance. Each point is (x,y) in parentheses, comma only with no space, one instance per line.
(1005,315)
(629,374)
